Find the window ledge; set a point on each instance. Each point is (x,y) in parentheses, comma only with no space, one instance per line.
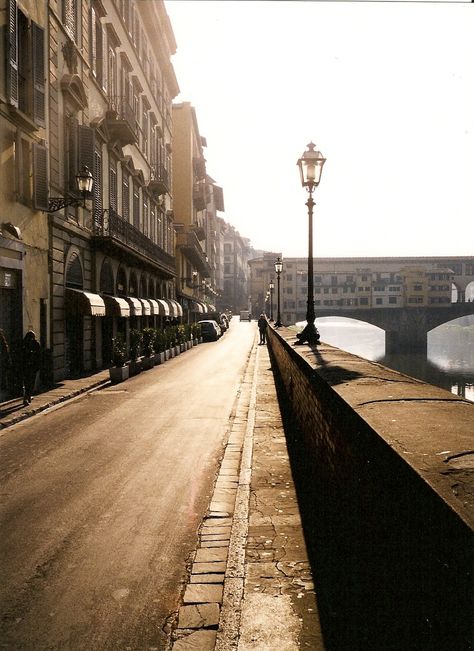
(22,119)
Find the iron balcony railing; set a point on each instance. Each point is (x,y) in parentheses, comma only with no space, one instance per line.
(159,179)
(109,225)
(121,118)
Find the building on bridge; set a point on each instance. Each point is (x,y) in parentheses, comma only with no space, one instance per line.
(406,296)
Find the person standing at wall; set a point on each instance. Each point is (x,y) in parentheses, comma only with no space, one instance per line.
(30,364)
(262,328)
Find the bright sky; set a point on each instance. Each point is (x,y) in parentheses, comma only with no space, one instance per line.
(385,90)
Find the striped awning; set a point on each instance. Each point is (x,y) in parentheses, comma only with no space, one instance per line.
(175,308)
(211,308)
(197,306)
(83,303)
(135,306)
(146,307)
(155,308)
(163,307)
(115,306)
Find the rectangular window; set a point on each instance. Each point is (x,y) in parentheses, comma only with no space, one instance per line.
(125,196)
(146,226)
(392,300)
(379,301)
(364,301)
(113,198)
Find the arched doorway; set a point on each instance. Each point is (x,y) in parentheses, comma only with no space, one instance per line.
(74,322)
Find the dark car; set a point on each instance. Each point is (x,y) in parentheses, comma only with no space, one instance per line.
(210,330)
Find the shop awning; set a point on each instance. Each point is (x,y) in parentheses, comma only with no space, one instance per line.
(175,308)
(155,308)
(135,306)
(83,303)
(164,309)
(115,306)
(211,308)
(198,307)
(146,306)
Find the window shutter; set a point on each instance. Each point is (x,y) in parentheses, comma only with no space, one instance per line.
(12,53)
(86,140)
(38,74)
(40,177)
(93,46)
(113,188)
(69,17)
(97,189)
(71,154)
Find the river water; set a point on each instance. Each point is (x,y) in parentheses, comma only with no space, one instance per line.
(449,363)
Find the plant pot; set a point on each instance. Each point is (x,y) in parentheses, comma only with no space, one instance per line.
(182,347)
(147,363)
(119,373)
(159,358)
(177,350)
(136,367)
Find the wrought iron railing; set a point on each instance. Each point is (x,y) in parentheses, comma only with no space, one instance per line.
(110,225)
(122,110)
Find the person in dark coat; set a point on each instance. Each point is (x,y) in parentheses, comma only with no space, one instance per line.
(262,328)
(5,364)
(30,362)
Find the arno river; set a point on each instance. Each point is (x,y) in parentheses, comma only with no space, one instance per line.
(449,363)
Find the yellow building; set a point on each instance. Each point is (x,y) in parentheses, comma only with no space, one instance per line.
(24,277)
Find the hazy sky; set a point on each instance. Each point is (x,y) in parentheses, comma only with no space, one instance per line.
(385,90)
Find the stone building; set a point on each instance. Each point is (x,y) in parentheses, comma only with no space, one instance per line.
(109,92)
(24,276)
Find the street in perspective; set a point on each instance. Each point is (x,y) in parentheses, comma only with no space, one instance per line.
(102,500)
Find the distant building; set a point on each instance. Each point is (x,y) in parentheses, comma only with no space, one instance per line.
(235,294)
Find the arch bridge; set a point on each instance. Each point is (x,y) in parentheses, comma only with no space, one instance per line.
(406,328)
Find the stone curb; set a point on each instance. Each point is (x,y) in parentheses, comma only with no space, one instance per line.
(4,423)
(209,618)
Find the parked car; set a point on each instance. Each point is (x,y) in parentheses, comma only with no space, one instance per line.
(210,330)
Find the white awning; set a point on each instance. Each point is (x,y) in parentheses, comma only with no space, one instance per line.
(164,309)
(175,308)
(155,308)
(83,303)
(135,306)
(146,306)
(115,306)
(197,307)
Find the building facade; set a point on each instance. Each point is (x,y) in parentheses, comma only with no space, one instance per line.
(363,283)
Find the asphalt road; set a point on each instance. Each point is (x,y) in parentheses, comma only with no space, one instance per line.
(101,501)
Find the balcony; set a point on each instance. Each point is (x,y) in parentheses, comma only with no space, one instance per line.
(188,242)
(112,232)
(199,197)
(121,121)
(159,182)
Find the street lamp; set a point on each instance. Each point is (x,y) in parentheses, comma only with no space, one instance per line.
(311,166)
(278,270)
(271,287)
(85,181)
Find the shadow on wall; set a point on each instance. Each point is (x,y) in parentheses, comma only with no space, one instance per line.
(381,584)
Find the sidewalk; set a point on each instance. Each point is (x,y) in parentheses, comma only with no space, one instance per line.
(13,411)
(250,585)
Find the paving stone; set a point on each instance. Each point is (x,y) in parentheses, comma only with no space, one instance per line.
(217,522)
(216,531)
(203,593)
(207,537)
(207,544)
(196,641)
(208,568)
(208,578)
(210,555)
(198,616)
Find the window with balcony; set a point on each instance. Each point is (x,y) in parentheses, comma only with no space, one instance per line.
(136,206)
(125,196)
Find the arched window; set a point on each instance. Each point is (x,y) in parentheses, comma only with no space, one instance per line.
(107,278)
(133,287)
(121,282)
(143,287)
(74,276)
(151,288)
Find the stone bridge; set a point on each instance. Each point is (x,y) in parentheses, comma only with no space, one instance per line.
(406,328)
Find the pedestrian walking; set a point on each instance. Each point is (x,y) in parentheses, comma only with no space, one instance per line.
(5,365)
(30,364)
(262,328)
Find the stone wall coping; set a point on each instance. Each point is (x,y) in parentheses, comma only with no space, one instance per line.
(431,429)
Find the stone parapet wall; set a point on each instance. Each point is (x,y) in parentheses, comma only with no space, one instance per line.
(389,466)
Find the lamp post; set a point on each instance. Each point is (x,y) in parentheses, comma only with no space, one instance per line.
(271,286)
(85,181)
(278,270)
(311,166)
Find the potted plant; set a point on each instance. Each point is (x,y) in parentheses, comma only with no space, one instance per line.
(119,371)
(148,336)
(159,345)
(181,338)
(135,349)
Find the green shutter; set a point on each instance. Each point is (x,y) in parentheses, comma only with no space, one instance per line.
(38,74)
(40,177)
(12,55)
